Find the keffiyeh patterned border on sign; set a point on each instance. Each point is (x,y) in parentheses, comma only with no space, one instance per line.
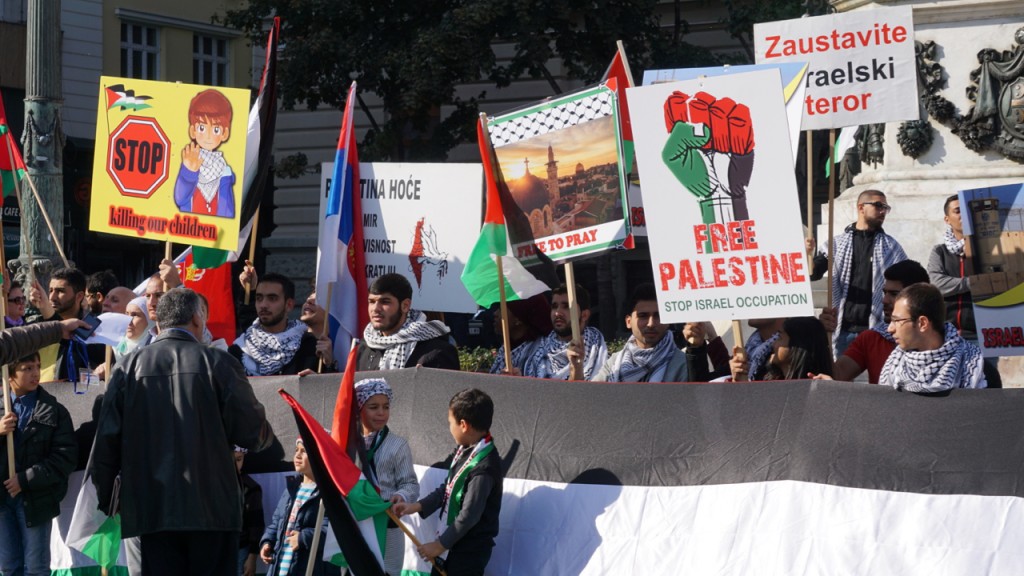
(542,121)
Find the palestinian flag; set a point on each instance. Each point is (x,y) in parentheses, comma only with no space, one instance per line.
(620,72)
(92,532)
(258,147)
(526,277)
(120,97)
(12,167)
(352,504)
(799,477)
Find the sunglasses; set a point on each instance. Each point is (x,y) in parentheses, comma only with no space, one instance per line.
(19,300)
(882,206)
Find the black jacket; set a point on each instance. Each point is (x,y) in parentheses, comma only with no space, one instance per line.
(306,524)
(45,454)
(171,413)
(434,353)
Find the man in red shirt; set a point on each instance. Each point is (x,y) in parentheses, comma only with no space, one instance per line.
(870,349)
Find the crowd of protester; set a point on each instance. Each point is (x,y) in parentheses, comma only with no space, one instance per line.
(905,326)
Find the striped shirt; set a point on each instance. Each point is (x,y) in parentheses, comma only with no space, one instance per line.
(287,554)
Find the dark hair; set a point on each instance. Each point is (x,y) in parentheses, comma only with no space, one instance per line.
(925,300)
(582,296)
(176,308)
(73,276)
(394,284)
(643,291)
(863,197)
(906,272)
(286,284)
(16,284)
(809,346)
(475,407)
(26,358)
(950,200)
(101,282)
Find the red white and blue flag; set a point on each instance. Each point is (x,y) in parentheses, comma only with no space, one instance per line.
(341,266)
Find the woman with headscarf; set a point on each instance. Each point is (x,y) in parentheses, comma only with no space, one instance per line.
(137,331)
(801,350)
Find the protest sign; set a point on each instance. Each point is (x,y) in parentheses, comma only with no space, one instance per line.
(862,64)
(577,206)
(720,198)
(169,162)
(793,87)
(993,224)
(421,221)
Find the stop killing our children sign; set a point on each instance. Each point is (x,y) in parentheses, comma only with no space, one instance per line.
(862,65)
(169,161)
(720,198)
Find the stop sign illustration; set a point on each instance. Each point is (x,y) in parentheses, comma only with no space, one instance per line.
(137,156)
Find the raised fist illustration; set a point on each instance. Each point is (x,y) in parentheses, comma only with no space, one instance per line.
(710,150)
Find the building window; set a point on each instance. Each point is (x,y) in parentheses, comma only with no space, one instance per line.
(209,60)
(139,50)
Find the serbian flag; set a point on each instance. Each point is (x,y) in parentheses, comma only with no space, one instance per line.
(523,278)
(12,167)
(620,72)
(353,506)
(341,266)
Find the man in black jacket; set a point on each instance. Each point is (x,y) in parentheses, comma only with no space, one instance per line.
(400,337)
(171,413)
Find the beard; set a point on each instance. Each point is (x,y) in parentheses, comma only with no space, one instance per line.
(273,320)
(389,323)
(565,330)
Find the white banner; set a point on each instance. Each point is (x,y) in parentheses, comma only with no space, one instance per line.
(720,198)
(421,221)
(862,64)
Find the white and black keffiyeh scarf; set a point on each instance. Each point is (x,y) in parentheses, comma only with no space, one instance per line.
(520,355)
(955,247)
(549,360)
(264,353)
(635,364)
(886,252)
(399,346)
(883,329)
(955,364)
(759,351)
(211,170)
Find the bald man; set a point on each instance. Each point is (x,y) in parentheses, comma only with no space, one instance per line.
(117,299)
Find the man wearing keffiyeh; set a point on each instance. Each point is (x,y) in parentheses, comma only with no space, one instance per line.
(860,255)
(275,344)
(398,336)
(554,359)
(871,348)
(930,355)
(650,354)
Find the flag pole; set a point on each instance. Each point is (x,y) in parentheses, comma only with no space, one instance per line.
(574,309)
(327,324)
(506,339)
(23,233)
(252,248)
(412,537)
(316,539)
(3,326)
(810,182)
(107,353)
(831,209)
(168,255)
(39,202)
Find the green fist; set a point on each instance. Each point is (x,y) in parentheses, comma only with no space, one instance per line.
(682,156)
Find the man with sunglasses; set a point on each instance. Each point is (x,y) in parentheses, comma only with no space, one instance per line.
(861,254)
(930,355)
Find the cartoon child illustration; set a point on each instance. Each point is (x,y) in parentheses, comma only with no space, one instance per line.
(205,181)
